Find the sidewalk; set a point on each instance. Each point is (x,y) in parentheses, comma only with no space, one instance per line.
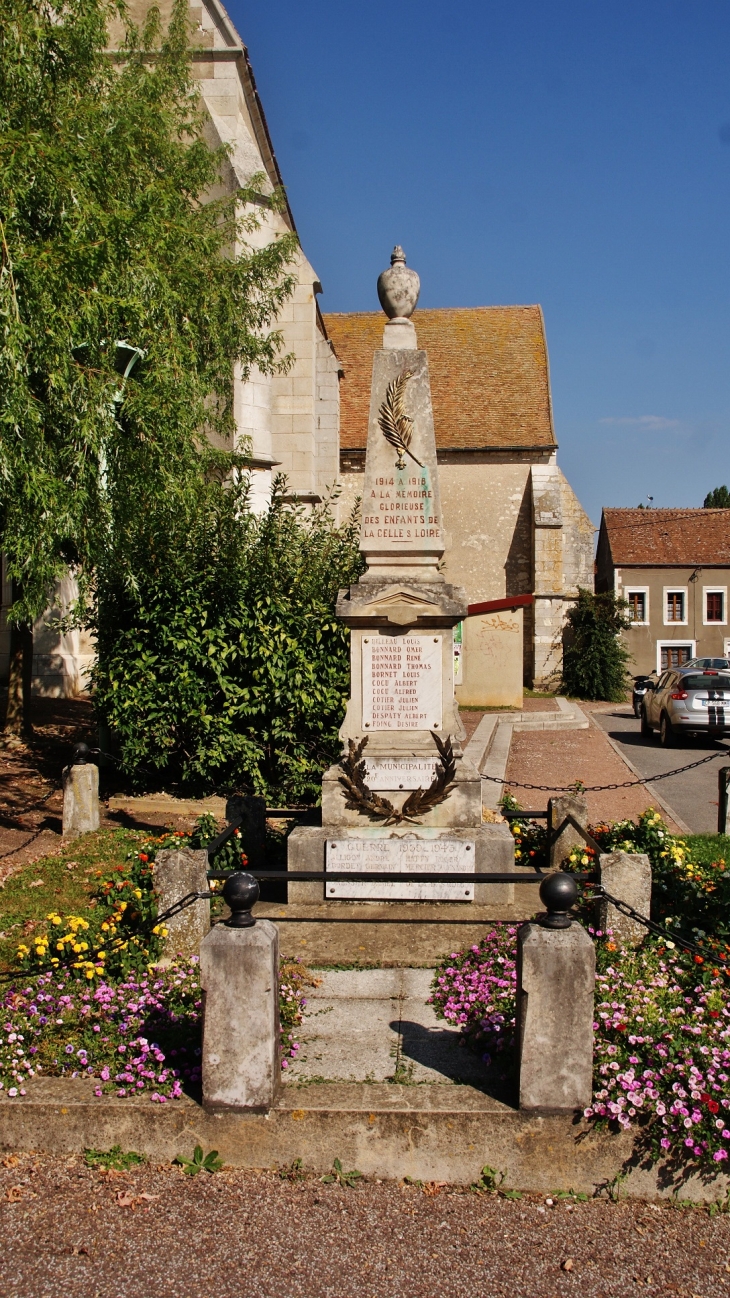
(559,758)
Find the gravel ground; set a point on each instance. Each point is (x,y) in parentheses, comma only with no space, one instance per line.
(154,1232)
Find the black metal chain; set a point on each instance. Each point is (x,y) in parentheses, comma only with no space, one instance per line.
(600,788)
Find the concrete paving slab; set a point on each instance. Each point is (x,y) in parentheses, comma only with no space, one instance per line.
(416,983)
(376,1025)
(353,984)
(348,1040)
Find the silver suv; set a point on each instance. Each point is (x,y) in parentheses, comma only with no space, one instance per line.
(687,701)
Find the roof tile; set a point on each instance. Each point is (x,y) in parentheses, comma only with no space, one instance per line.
(685,537)
(489,374)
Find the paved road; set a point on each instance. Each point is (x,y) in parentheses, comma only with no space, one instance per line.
(694,795)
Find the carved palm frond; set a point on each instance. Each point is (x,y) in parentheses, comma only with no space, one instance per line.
(396,427)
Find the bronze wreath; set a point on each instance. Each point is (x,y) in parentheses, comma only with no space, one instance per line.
(361,798)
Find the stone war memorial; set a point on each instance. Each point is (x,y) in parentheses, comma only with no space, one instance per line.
(409,864)
(404,797)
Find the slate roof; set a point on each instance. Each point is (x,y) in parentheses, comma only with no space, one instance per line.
(490,382)
(662,537)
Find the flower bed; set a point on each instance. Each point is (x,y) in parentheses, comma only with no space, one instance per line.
(91,1001)
(662,1038)
(137,1036)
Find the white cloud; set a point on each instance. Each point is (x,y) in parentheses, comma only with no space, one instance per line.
(650,423)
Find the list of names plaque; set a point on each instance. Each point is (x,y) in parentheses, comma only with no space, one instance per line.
(401,682)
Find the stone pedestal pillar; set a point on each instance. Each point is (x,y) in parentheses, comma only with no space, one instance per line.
(239,973)
(555,981)
(176,874)
(558,808)
(627,876)
(80,800)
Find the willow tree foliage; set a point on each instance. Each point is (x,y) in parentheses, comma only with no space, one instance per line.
(105,240)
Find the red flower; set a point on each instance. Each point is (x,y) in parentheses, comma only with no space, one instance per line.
(714,1014)
(143,856)
(620,1027)
(713,1106)
(698,959)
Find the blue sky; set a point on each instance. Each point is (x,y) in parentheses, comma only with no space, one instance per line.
(575,154)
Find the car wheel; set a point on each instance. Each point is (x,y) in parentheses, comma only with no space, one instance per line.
(645,727)
(666,732)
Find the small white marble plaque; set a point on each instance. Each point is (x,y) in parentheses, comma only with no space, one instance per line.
(417,855)
(399,773)
(401,682)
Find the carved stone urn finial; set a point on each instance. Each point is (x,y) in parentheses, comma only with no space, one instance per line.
(398,287)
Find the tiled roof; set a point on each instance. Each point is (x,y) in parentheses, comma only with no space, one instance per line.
(489,374)
(686,537)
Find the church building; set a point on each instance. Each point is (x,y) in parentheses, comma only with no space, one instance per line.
(518,539)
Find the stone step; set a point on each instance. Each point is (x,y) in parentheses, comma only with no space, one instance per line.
(427,1132)
(392,933)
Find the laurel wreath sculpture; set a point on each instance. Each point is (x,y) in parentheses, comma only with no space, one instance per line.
(394,423)
(361,798)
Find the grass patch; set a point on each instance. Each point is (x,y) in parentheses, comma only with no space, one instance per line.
(705,849)
(68,882)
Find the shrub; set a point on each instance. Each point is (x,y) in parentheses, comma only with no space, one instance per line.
(224,666)
(594,658)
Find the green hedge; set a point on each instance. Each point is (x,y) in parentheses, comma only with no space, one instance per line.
(223,666)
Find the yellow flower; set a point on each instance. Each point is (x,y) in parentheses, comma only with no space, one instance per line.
(90,973)
(137,892)
(584,860)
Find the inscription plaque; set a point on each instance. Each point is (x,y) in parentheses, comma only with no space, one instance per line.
(399,773)
(378,855)
(401,682)
(401,506)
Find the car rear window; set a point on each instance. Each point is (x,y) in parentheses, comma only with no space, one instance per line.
(707,681)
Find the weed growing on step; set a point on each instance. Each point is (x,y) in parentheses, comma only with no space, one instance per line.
(115,1159)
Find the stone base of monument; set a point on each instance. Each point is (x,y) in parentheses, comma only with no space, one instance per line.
(396,922)
(386,1130)
(417,849)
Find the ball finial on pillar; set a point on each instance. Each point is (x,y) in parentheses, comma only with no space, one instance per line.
(240,891)
(559,892)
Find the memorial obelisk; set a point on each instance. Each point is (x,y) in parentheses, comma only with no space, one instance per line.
(403,797)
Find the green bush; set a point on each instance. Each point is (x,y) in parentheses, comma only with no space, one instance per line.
(594,658)
(223,666)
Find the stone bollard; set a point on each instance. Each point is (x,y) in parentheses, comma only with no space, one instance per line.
(239,974)
(176,873)
(252,811)
(556,970)
(80,795)
(627,876)
(558,809)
